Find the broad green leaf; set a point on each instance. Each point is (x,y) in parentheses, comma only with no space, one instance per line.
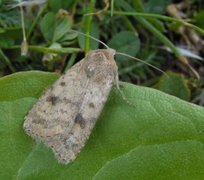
(146,134)
(21,85)
(177,160)
(15,144)
(125,42)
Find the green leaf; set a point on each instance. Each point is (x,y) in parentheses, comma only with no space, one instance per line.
(199,19)
(156,6)
(68,38)
(142,162)
(6,41)
(55,5)
(47,26)
(174,84)
(55,27)
(63,25)
(125,42)
(21,85)
(60,4)
(138,6)
(15,145)
(151,135)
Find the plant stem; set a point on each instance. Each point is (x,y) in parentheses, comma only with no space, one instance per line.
(7,61)
(157,16)
(88,25)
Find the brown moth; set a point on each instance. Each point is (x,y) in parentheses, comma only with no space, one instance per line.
(66,113)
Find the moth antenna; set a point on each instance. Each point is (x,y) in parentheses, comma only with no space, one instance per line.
(78,32)
(139,60)
(119,53)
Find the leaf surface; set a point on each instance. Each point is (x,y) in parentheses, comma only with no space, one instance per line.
(146,134)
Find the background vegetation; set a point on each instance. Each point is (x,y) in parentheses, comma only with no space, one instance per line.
(148,135)
(134,27)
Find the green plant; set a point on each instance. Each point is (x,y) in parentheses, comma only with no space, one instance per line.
(157,136)
(146,135)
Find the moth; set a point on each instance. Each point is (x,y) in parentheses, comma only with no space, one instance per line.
(66,113)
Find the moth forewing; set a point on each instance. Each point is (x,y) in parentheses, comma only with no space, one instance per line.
(66,113)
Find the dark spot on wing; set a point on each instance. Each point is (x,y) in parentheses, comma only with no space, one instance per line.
(52,99)
(39,121)
(80,120)
(91,105)
(62,83)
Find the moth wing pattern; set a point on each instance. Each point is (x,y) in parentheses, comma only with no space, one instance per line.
(66,113)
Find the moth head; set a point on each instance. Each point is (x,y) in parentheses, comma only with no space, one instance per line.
(101,54)
(100,63)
